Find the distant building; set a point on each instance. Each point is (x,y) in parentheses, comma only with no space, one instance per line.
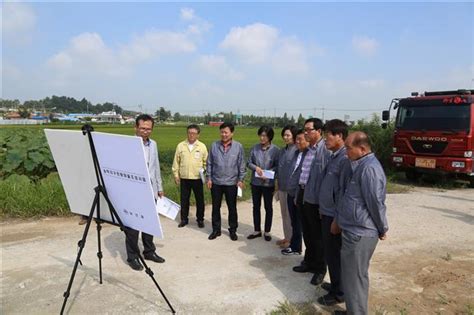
(108,117)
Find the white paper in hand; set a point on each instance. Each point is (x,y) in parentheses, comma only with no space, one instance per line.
(267,174)
(167,207)
(239,191)
(202,175)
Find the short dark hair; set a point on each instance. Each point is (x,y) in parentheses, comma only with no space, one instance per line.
(227,124)
(337,127)
(144,117)
(194,126)
(361,139)
(297,133)
(268,130)
(317,123)
(292,129)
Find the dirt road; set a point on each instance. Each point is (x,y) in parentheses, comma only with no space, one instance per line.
(426,266)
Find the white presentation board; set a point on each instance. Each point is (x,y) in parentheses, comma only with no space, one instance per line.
(124,170)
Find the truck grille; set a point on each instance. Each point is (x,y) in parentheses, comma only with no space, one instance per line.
(428,147)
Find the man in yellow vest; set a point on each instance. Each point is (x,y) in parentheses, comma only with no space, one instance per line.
(188,170)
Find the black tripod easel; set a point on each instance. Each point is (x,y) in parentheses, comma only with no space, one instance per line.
(100,189)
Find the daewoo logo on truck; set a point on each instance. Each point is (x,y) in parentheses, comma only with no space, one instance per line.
(438,139)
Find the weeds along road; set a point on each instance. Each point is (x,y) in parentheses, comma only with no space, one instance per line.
(425,266)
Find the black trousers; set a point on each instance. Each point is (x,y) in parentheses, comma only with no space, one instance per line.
(230,192)
(332,253)
(131,243)
(267,193)
(312,234)
(295,217)
(196,186)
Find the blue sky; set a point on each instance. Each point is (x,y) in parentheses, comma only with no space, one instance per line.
(253,58)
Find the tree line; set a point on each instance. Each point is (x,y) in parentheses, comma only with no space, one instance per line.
(60,104)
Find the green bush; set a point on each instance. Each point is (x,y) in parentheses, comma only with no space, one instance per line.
(381,139)
(25,152)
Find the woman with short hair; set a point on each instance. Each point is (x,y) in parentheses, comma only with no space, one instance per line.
(263,160)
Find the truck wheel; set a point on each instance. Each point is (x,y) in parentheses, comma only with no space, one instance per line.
(471,182)
(412,175)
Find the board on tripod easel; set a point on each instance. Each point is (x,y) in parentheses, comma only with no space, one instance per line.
(124,171)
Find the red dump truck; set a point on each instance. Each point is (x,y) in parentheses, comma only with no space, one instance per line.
(434,133)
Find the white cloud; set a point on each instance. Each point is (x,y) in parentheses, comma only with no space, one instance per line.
(156,42)
(365,45)
(88,55)
(18,22)
(198,25)
(253,43)
(218,66)
(261,44)
(290,56)
(187,14)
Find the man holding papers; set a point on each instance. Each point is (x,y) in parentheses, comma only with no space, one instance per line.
(143,128)
(188,165)
(263,162)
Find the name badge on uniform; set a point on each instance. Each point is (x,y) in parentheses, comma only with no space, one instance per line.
(197,155)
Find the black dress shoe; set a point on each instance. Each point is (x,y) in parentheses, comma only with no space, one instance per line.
(214,234)
(326,286)
(330,299)
(154,257)
(253,236)
(267,238)
(200,224)
(233,236)
(317,279)
(340,312)
(182,223)
(302,268)
(135,264)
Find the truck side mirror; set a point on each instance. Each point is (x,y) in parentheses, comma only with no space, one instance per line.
(385,115)
(384,125)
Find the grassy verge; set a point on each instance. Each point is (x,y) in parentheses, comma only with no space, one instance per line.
(20,197)
(288,308)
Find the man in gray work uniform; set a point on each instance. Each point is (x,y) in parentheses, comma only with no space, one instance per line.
(307,200)
(335,133)
(225,172)
(361,214)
